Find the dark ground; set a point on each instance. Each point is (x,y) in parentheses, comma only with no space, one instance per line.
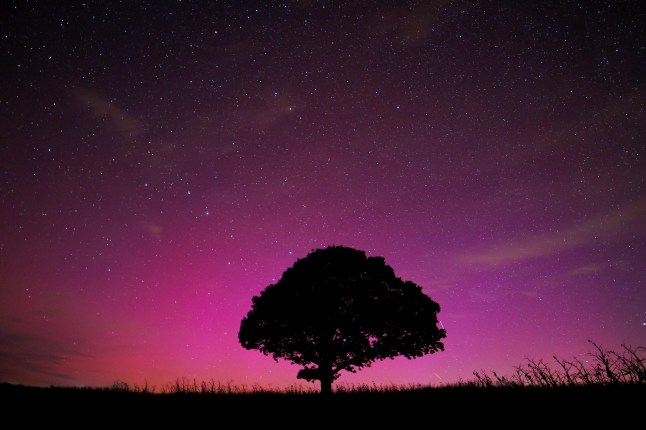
(447,407)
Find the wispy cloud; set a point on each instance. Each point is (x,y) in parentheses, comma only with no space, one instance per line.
(153,230)
(275,106)
(608,226)
(23,355)
(412,26)
(121,120)
(586,269)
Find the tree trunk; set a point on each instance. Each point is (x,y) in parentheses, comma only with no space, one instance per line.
(327,377)
(326,374)
(326,386)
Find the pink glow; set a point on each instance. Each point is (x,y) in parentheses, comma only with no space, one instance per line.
(139,219)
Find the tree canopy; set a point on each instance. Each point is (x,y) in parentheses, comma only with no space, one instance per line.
(337,309)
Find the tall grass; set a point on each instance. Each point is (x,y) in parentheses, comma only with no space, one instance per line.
(603,367)
(626,366)
(188,386)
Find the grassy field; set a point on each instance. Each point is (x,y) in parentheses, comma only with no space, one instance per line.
(609,389)
(461,405)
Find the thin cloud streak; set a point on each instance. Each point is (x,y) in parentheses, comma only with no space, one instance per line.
(608,226)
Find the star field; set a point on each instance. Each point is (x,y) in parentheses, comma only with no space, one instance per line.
(163,162)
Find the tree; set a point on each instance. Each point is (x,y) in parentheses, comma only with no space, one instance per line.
(337,309)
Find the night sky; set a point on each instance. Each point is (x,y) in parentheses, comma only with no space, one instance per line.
(163,162)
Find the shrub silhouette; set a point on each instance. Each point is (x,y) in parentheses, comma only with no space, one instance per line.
(337,309)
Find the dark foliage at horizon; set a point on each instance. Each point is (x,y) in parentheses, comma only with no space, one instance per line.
(336,310)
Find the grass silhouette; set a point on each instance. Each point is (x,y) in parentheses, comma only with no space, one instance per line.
(604,367)
(609,387)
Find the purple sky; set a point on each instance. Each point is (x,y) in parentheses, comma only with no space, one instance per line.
(163,162)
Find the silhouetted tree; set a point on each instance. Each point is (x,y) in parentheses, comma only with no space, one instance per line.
(337,309)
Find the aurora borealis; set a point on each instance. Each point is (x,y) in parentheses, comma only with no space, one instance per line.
(163,162)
